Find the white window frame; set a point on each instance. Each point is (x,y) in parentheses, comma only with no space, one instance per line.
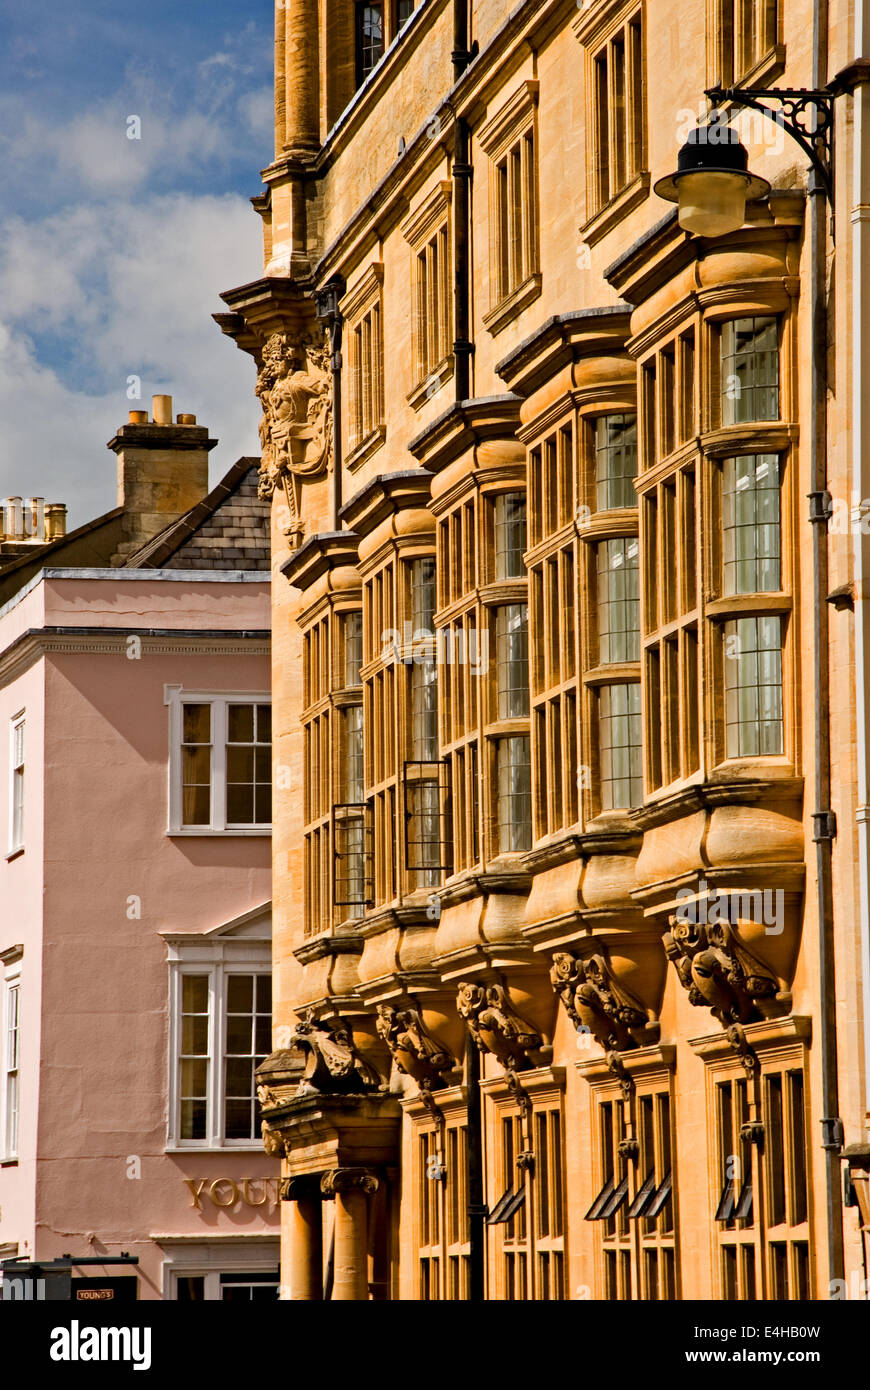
(16,779)
(11,960)
(175,697)
(218,960)
(192,1259)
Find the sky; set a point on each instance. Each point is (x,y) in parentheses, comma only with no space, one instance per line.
(114,251)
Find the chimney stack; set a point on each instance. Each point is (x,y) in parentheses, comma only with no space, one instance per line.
(162,472)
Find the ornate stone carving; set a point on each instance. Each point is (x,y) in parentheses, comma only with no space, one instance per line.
(295,391)
(348,1180)
(496,1027)
(305,1187)
(321,1060)
(719,971)
(415,1052)
(596,1002)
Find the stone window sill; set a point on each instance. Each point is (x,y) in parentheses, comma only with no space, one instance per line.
(366,447)
(431,385)
(509,308)
(624,202)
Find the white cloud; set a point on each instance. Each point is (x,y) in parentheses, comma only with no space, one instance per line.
(106,292)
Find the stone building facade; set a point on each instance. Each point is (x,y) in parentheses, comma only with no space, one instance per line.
(569,853)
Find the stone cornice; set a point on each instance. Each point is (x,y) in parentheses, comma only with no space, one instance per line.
(384,496)
(463,425)
(704,796)
(322,552)
(561,340)
(30,646)
(175,437)
(665,249)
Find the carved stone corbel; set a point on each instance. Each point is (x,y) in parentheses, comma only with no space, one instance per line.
(597,1003)
(321,1059)
(413,1049)
(294,387)
(718,971)
(496,1027)
(348,1180)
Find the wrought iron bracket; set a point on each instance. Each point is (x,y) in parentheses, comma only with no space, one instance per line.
(805,113)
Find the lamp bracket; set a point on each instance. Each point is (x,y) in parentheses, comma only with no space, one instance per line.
(805,113)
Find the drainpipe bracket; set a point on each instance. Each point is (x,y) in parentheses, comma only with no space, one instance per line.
(833,1134)
(821,507)
(824,826)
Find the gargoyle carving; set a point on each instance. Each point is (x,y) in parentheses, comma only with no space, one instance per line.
(415,1052)
(295,392)
(496,1027)
(719,971)
(597,1003)
(320,1060)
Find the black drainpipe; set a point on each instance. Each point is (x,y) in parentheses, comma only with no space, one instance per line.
(462,345)
(327,309)
(824,822)
(462,350)
(477,1211)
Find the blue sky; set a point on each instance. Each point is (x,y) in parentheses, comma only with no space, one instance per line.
(113,251)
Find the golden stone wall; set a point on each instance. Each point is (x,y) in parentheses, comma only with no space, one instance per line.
(491,953)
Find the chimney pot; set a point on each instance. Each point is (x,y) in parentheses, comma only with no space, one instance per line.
(55,520)
(162,408)
(185,419)
(138,417)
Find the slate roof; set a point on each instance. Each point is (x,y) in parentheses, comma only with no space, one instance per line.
(227,530)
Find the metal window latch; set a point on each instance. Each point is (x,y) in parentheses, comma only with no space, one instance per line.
(824,826)
(832,1133)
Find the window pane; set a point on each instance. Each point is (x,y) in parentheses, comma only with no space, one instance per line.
(514,794)
(240,723)
(615,461)
(352,633)
(618,601)
(510,535)
(240,993)
(753,687)
(264,723)
(240,805)
(194,994)
(423,595)
(194,1035)
(750,370)
(369,39)
(197,723)
(240,764)
(619,736)
(751,524)
(193,1119)
(512,657)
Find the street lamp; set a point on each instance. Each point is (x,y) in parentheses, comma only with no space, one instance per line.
(712,184)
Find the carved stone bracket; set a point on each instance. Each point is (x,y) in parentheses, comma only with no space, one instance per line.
(415,1052)
(597,1003)
(348,1180)
(294,386)
(719,971)
(739,1042)
(496,1027)
(321,1060)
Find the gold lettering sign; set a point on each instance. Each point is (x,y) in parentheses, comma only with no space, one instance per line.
(227,1193)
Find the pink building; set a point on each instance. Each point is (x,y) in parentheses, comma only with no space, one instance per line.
(135,956)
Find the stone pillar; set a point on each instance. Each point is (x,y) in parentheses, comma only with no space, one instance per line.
(351,1188)
(305,1242)
(302,77)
